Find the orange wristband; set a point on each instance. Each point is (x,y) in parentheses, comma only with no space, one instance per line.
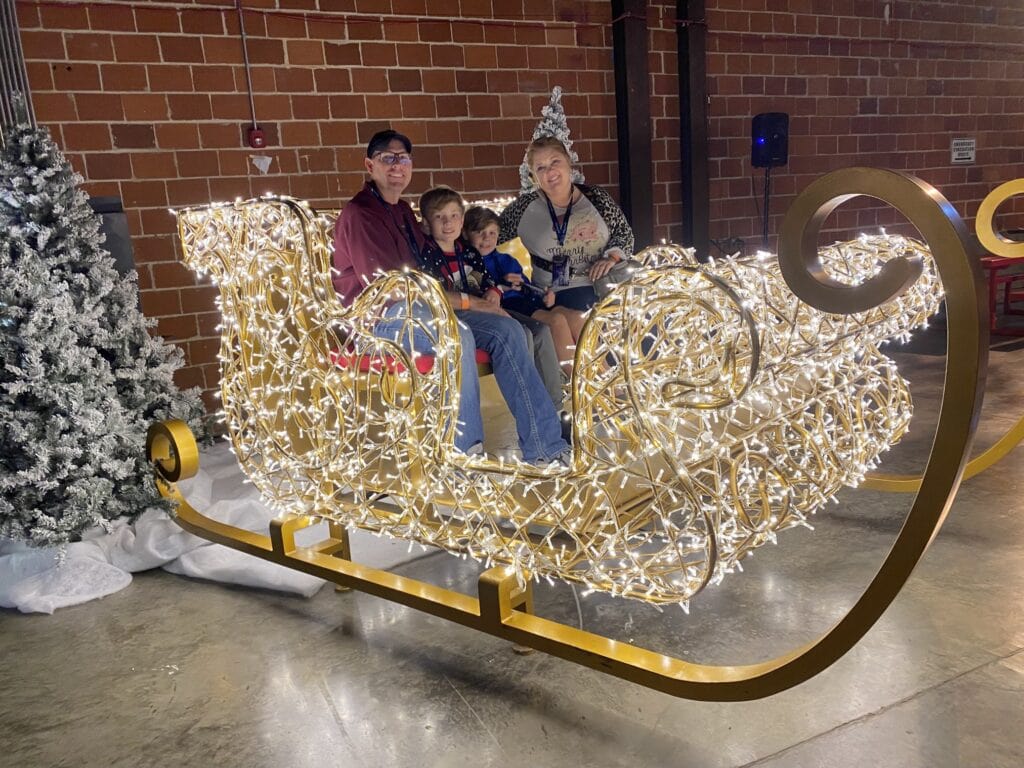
(465,301)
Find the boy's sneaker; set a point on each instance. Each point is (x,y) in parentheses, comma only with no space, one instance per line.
(565,418)
(561,462)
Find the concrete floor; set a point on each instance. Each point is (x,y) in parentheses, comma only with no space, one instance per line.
(174,672)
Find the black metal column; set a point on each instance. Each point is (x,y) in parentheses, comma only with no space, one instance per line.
(693,100)
(633,116)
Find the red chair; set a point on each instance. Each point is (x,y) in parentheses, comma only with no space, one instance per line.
(424,363)
(1012,285)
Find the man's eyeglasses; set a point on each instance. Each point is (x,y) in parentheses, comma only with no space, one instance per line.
(394,158)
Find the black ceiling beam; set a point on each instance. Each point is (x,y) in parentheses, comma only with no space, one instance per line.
(633,116)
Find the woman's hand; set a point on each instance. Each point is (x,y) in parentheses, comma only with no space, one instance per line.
(549,298)
(600,268)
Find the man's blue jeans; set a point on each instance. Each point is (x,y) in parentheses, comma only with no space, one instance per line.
(537,425)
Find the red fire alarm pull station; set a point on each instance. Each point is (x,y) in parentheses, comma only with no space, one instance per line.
(257,139)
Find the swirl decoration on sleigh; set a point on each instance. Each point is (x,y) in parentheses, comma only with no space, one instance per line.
(714,407)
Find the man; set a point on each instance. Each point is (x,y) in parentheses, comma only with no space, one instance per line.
(377,232)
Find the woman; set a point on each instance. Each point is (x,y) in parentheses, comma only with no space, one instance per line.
(575,233)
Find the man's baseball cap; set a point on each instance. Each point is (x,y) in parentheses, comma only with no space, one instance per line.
(382,139)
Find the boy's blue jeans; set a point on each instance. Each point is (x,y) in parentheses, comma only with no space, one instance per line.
(504,339)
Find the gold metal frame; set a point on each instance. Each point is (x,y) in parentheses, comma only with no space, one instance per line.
(504,599)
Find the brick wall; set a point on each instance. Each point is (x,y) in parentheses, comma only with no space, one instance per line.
(149,100)
(860,90)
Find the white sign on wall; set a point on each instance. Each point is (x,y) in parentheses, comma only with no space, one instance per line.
(962,150)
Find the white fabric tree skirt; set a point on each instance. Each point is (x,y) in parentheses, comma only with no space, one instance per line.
(41,580)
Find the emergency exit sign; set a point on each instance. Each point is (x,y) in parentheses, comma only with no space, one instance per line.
(962,150)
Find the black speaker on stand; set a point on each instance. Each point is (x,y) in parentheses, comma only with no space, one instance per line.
(769,148)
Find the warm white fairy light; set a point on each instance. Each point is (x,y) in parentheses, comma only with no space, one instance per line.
(711,408)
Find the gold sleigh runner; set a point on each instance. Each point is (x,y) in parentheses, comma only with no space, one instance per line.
(714,406)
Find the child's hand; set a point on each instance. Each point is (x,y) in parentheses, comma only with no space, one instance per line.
(549,298)
(514,279)
(493,297)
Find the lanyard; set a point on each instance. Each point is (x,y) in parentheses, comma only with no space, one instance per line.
(563,228)
(458,258)
(559,268)
(402,223)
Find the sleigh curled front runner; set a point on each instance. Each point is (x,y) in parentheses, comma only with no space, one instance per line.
(712,409)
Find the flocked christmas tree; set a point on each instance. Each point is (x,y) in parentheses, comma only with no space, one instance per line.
(552,123)
(81,379)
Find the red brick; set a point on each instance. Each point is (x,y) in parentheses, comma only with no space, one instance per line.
(145,106)
(201,298)
(342,54)
(87,136)
(76,77)
(348,107)
(481,57)
(88,46)
(174,274)
(159,303)
(227,135)
(181,48)
(108,165)
(203,163)
(37,44)
(222,50)
(265,51)
(365,29)
(369,81)
(136,48)
(54,107)
(207,21)
(404,80)
(378,54)
(338,134)
(170,77)
(279,25)
(124,77)
(305,52)
(40,76)
(447,56)
(189,106)
(234,106)
(233,162)
(153,165)
(99,106)
(218,78)
(436,31)
(188,192)
(310,107)
(157,20)
(300,134)
(177,136)
(293,79)
(63,17)
(332,80)
(273,107)
(133,136)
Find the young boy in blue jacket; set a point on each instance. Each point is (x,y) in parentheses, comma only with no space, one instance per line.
(519,295)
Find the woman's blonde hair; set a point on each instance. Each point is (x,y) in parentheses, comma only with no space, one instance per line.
(546,142)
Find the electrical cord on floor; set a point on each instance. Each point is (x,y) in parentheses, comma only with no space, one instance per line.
(579,609)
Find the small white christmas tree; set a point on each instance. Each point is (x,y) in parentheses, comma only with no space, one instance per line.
(81,379)
(552,123)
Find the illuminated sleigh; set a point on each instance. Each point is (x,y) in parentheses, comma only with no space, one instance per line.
(712,409)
